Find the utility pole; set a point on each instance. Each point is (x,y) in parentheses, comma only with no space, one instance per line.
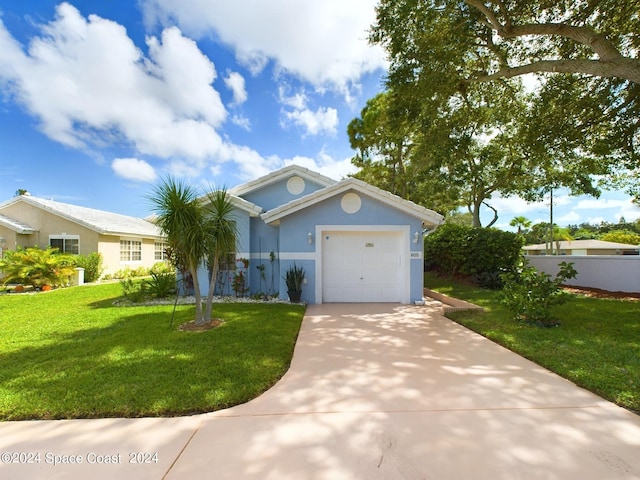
(551,219)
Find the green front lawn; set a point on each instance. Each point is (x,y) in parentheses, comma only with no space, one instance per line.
(71,353)
(597,345)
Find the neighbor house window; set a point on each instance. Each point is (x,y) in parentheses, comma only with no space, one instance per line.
(65,243)
(130,250)
(161,251)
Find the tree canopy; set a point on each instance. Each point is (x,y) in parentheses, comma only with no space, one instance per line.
(583,109)
(483,40)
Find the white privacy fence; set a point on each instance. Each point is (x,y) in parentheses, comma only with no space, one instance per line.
(615,273)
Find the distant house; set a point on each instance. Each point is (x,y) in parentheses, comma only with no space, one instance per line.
(356,242)
(584,247)
(123,241)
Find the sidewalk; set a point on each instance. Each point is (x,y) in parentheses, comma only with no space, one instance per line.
(374,392)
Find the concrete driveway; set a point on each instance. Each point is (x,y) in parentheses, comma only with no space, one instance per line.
(374,392)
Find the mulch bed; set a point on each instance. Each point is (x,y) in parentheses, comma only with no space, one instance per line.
(598,293)
(192,327)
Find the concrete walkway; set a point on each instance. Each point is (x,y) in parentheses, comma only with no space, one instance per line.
(374,392)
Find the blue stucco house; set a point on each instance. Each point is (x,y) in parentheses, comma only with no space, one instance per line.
(356,242)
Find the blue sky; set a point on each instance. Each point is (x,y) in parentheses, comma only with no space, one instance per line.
(100,99)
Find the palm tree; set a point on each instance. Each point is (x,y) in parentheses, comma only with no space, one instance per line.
(182,219)
(558,234)
(523,223)
(222,234)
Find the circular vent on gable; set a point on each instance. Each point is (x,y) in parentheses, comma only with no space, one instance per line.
(295,185)
(351,202)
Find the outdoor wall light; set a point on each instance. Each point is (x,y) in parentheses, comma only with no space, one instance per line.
(309,238)
(416,237)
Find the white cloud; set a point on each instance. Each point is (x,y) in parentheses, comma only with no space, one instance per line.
(323,120)
(325,164)
(321,42)
(571,217)
(235,82)
(600,204)
(134,169)
(86,81)
(242,122)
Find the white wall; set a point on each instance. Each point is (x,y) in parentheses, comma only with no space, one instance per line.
(614,273)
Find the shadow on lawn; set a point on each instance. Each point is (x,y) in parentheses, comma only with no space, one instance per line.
(137,366)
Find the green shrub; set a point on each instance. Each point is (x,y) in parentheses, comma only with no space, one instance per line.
(529,294)
(33,266)
(128,272)
(133,291)
(162,267)
(160,285)
(480,253)
(92,265)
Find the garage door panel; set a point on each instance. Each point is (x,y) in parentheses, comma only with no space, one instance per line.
(362,267)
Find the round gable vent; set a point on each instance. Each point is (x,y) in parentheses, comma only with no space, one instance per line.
(351,202)
(295,185)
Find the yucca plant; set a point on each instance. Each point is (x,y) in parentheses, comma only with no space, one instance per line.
(294,277)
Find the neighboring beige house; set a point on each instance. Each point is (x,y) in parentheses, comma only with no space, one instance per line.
(584,247)
(123,241)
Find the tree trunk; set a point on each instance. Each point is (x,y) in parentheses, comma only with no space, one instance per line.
(212,288)
(199,321)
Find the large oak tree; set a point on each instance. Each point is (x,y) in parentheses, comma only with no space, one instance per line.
(585,115)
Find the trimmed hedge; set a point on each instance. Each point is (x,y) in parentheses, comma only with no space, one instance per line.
(480,253)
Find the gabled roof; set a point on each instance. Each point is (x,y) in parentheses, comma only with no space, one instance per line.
(240,203)
(427,216)
(15,225)
(251,208)
(585,245)
(96,220)
(281,174)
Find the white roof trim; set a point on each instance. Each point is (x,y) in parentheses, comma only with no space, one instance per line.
(106,223)
(280,175)
(427,216)
(15,225)
(251,208)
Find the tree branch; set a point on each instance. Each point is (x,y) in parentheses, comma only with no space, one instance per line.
(626,68)
(597,42)
(584,35)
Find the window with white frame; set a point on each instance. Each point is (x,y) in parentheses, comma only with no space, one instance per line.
(130,250)
(65,243)
(161,251)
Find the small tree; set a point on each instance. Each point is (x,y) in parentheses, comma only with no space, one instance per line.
(181,217)
(221,234)
(197,230)
(530,294)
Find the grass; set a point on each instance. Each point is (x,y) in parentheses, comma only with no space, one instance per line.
(597,345)
(71,353)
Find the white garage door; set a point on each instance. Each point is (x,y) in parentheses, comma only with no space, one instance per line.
(362,267)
